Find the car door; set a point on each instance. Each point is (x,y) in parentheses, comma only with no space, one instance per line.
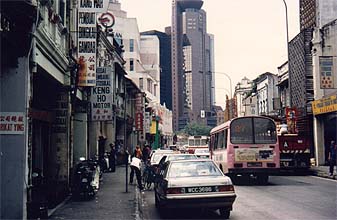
(161,182)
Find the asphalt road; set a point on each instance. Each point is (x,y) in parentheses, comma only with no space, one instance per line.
(285,197)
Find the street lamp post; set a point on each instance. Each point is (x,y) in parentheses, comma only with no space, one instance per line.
(230,82)
(287,29)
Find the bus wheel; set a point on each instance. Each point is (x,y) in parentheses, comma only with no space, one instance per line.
(262,179)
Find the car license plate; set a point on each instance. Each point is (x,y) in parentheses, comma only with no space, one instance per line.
(200,189)
(84,180)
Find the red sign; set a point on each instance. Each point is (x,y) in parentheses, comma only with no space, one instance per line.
(291,116)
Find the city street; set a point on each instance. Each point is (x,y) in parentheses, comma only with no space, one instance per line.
(285,197)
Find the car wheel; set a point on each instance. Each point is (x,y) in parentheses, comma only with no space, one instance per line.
(225,213)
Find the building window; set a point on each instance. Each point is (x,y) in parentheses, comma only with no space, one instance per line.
(132,67)
(141,83)
(149,85)
(132,45)
(155,90)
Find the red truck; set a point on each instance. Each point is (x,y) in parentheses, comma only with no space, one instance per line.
(294,152)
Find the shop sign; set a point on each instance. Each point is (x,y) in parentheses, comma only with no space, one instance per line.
(101,95)
(61,114)
(326,105)
(12,123)
(147,122)
(153,128)
(139,110)
(93,5)
(87,33)
(291,116)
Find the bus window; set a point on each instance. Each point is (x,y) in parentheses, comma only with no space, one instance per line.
(241,131)
(215,145)
(225,138)
(203,142)
(197,142)
(264,131)
(220,140)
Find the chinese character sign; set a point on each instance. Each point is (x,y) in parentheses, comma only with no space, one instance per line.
(139,117)
(101,95)
(12,123)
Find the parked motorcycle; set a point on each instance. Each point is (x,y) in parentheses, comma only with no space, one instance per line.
(37,205)
(86,179)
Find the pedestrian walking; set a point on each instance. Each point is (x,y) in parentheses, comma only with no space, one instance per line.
(146,153)
(138,153)
(112,158)
(135,168)
(332,156)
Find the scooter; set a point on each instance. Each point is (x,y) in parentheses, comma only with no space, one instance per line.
(86,179)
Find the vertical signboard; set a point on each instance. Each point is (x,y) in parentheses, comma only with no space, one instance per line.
(101,95)
(326,72)
(87,33)
(291,116)
(139,111)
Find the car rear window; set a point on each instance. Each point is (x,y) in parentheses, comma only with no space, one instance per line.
(193,169)
(181,157)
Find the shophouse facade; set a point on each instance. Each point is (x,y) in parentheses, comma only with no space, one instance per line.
(49,112)
(324,105)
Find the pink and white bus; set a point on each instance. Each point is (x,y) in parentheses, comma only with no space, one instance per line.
(246,146)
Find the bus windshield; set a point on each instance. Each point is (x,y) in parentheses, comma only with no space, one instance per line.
(197,141)
(253,131)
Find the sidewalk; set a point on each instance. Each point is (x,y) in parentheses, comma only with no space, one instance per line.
(111,202)
(322,171)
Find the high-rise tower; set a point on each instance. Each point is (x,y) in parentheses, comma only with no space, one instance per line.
(191,72)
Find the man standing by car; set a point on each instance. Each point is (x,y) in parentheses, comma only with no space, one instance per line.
(135,168)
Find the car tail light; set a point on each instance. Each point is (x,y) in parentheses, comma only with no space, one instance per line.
(225,188)
(174,190)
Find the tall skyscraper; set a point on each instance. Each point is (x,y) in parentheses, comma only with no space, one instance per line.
(165,65)
(191,65)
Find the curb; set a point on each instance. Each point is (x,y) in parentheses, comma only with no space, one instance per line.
(139,202)
(51,211)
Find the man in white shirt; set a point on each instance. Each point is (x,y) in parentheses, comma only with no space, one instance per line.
(135,168)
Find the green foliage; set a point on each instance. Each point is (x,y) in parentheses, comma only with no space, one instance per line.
(196,129)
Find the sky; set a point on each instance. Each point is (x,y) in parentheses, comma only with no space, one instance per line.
(249,35)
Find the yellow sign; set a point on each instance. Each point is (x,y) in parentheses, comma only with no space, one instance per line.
(326,105)
(153,127)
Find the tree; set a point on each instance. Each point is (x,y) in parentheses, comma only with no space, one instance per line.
(197,129)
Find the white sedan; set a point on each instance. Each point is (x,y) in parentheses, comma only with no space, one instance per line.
(194,184)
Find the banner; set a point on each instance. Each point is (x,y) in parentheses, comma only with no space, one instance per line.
(101,95)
